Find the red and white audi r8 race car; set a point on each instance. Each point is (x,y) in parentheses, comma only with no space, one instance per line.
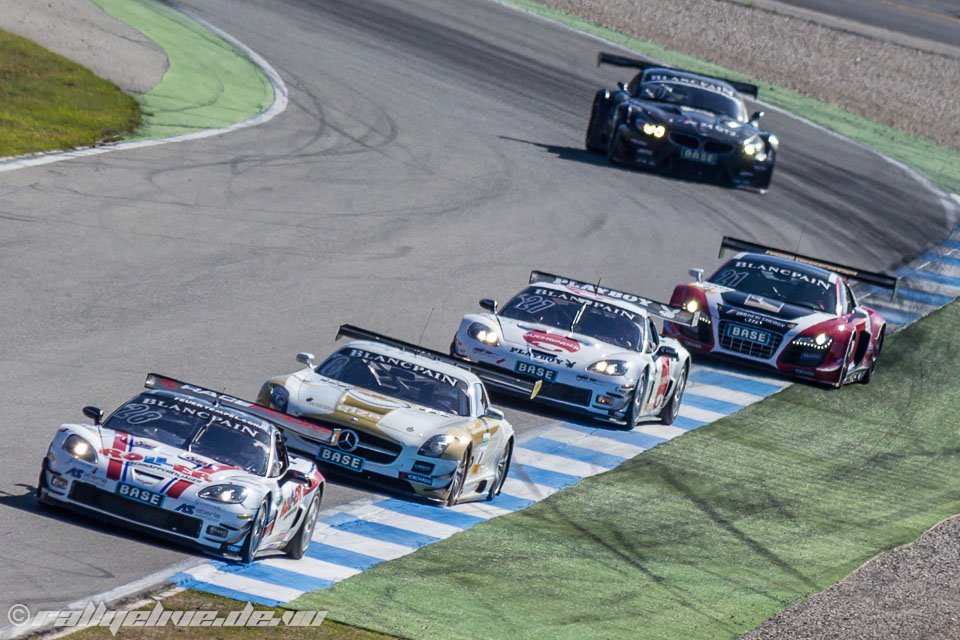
(192,465)
(785,310)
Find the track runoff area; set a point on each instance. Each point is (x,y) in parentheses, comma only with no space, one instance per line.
(358,535)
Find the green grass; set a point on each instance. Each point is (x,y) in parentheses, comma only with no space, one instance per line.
(48,102)
(705,536)
(938,164)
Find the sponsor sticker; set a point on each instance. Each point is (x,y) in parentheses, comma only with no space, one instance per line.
(416,477)
(551,342)
(138,494)
(536,371)
(750,334)
(340,458)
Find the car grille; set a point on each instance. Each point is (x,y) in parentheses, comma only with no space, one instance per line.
(373,448)
(145,514)
(684,140)
(720,148)
(747,347)
(377,449)
(565,393)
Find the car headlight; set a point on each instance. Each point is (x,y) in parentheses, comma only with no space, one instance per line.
(80,448)
(224,493)
(820,342)
(483,333)
(753,145)
(279,397)
(609,367)
(655,130)
(436,446)
(691,305)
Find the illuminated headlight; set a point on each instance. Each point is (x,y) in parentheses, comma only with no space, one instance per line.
(655,130)
(754,146)
(609,367)
(484,334)
(820,342)
(80,449)
(279,397)
(224,493)
(436,446)
(691,305)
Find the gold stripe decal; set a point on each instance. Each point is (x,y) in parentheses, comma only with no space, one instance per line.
(536,389)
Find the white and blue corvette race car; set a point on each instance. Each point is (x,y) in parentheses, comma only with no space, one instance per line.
(594,350)
(191,465)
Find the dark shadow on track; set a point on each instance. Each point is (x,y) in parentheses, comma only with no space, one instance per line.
(577,154)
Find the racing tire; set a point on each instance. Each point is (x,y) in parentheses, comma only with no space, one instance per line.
(301,540)
(845,370)
(868,376)
(41,485)
(251,544)
(590,143)
(614,144)
(503,468)
(635,412)
(459,479)
(671,410)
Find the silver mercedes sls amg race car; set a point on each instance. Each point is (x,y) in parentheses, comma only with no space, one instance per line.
(403,416)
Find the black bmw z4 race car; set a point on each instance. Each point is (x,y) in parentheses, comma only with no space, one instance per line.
(677,121)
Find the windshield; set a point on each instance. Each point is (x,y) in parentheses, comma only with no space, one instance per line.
(398,378)
(600,320)
(694,98)
(778,282)
(226,436)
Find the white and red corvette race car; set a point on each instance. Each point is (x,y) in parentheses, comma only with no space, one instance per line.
(593,349)
(784,310)
(192,465)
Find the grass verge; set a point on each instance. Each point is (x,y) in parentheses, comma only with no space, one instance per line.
(938,164)
(209,83)
(48,102)
(705,536)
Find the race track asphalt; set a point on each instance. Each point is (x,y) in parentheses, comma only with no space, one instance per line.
(936,20)
(431,155)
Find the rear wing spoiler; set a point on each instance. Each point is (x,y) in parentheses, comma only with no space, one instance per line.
(280,420)
(641,64)
(659,309)
(878,279)
(493,376)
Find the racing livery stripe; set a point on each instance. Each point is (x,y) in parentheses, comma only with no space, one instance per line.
(115,467)
(178,488)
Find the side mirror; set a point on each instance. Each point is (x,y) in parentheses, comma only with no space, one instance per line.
(696,273)
(305,358)
(755,118)
(94,413)
(489,304)
(622,86)
(669,352)
(292,475)
(492,413)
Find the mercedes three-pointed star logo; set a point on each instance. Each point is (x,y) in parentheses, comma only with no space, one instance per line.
(349,440)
